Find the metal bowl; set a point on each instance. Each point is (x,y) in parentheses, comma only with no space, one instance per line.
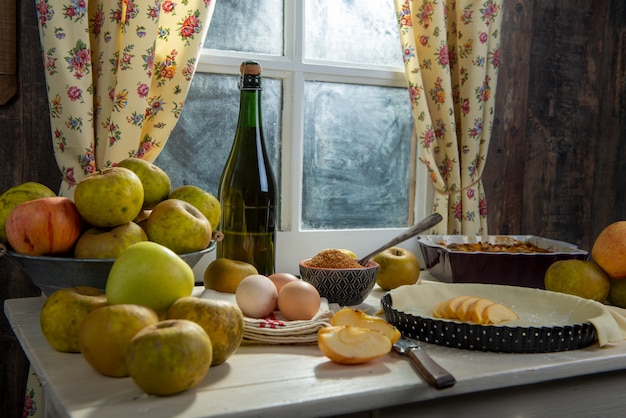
(53,273)
(346,287)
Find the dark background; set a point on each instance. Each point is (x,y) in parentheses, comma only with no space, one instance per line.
(557,159)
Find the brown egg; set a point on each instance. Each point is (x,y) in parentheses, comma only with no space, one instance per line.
(281,279)
(298,300)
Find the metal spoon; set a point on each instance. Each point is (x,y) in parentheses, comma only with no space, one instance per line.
(421,226)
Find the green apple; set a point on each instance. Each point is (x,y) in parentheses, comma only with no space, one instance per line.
(19,194)
(149,274)
(156,183)
(224,274)
(179,226)
(169,357)
(63,313)
(617,293)
(220,319)
(582,278)
(109,197)
(397,267)
(105,333)
(204,201)
(108,242)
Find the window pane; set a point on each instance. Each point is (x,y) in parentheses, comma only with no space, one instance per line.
(357,149)
(247,26)
(352,31)
(200,143)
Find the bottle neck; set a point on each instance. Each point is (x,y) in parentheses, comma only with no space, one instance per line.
(250,108)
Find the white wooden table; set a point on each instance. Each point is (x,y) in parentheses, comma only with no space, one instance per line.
(298,381)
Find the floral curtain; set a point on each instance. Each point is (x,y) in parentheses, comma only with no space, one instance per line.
(451,57)
(117,74)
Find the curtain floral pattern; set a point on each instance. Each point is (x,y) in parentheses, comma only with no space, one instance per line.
(117,74)
(451,57)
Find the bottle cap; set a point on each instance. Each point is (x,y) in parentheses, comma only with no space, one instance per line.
(250,75)
(250,68)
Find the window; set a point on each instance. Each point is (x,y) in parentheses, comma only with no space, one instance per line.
(336,116)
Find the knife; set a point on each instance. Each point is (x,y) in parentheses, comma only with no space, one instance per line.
(437,376)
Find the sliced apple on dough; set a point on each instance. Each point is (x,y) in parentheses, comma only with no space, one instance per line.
(463,310)
(358,318)
(451,311)
(345,344)
(477,310)
(496,313)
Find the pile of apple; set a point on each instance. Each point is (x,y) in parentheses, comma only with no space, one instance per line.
(601,278)
(146,324)
(164,352)
(112,209)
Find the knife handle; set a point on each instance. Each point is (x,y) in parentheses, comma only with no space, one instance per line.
(436,375)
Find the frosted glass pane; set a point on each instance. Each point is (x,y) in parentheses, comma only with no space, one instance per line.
(247,26)
(199,144)
(357,149)
(364,31)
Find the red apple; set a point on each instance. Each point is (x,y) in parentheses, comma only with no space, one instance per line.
(45,226)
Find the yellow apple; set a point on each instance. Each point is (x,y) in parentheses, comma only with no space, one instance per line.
(609,250)
(169,357)
(19,194)
(156,183)
(224,274)
(220,319)
(105,333)
(345,251)
(397,267)
(149,274)
(108,242)
(578,277)
(204,201)
(179,226)
(109,197)
(63,313)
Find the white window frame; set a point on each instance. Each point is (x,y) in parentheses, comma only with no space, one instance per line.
(292,243)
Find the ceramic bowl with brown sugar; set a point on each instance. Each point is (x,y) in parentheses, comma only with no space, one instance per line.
(344,286)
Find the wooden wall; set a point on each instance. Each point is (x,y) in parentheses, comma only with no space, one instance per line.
(556,163)
(557,159)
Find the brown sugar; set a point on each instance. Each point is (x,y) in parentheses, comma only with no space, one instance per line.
(333,259)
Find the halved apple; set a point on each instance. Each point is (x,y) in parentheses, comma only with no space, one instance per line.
(345,344)
(358,318)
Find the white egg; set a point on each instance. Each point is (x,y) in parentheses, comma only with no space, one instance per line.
(256,296)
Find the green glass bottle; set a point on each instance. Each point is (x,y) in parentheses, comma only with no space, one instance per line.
(247,188)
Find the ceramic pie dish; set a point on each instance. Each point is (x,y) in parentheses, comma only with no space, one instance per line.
(506,268)
(548,321)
